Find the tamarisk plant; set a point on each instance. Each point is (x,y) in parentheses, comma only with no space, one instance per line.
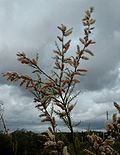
(103,146)
(113,128)
(57,89)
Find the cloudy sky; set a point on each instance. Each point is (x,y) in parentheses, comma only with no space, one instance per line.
(30,26)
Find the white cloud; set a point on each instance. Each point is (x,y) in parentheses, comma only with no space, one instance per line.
(92,105)
(17,107)
(20,111)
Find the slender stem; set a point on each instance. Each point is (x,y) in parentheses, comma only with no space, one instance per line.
(44,73)
(62,61)
(72,132)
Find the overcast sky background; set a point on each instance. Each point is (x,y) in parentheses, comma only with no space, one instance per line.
(30,26)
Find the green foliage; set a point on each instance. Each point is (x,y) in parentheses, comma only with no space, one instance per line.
(29,143)
(5,144)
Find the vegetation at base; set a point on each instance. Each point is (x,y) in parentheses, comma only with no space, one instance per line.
(22,142)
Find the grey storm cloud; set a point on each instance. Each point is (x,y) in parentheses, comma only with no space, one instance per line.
(31,26)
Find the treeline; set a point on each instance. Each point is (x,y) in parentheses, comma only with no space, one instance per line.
(22,142)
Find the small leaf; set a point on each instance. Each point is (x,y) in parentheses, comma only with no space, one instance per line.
(26,77)
(66,45)
(60,105)
(82,70)
(27,84)
(24,61)
(91,9)
(117,106)
(63,27)
(87,13)
(57,52)
(76,81)
(85,58)
(60,114)
(86,38)
(68,32)
(88,51)
(78,49)
(36,71)
(93,42)
(85,22)
(22,82)
(21,54)
(57,65)
(34,61)
(60,28)
(92,28)
(47,119)
(114,118)
(70,108)
(92,21)
(37,57)
(61,39)
(77,73)
(86,31)
(41,115)
(82,41)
